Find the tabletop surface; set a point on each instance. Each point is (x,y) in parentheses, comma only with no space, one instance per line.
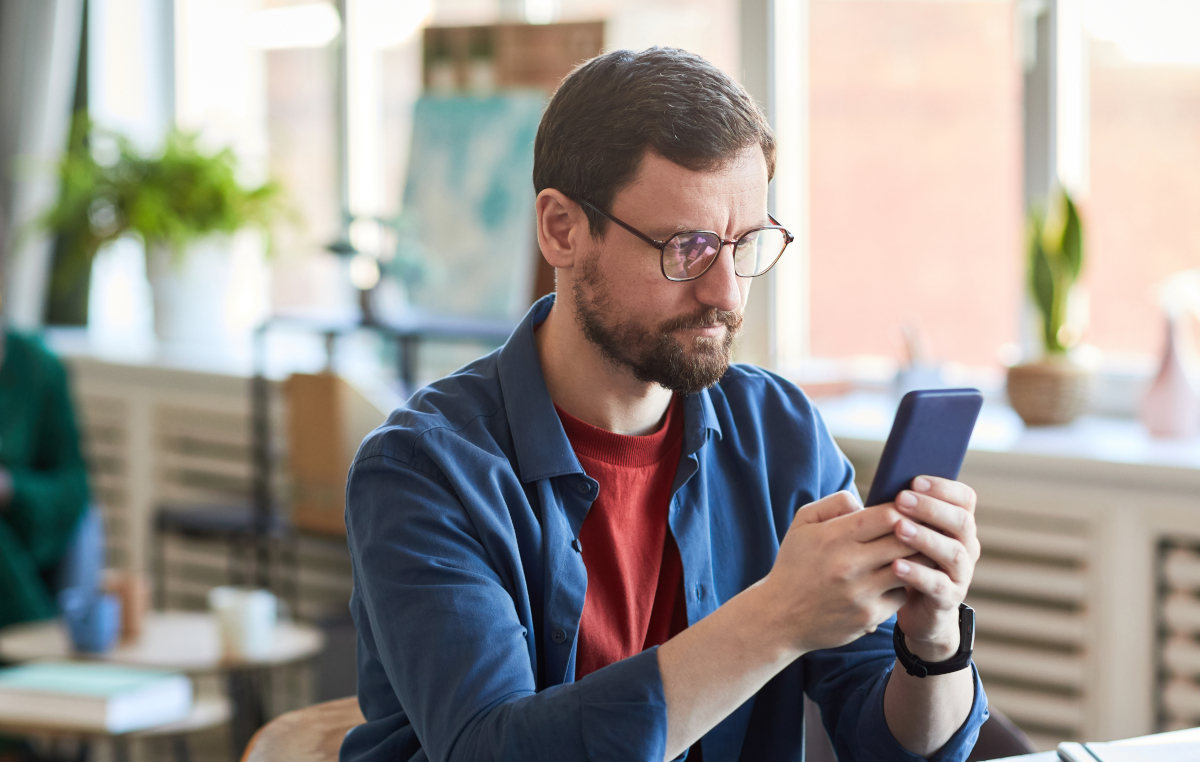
(182,641)
(1189,735)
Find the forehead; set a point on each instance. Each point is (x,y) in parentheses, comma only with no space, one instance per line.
(660,183)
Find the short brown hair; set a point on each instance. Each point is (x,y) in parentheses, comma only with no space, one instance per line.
(610,110)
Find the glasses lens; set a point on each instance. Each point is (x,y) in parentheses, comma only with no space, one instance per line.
(757,251)
(687,255)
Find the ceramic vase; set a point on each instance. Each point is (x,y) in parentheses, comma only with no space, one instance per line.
(1049,392)
(1171,407)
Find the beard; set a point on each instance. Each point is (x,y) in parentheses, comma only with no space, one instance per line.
(653,355)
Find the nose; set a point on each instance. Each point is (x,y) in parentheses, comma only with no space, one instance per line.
(720,286)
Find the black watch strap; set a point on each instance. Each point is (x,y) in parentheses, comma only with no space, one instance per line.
(966,646)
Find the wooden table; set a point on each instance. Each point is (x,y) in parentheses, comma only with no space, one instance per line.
(180,641)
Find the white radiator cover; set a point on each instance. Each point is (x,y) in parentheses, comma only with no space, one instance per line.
(157,436)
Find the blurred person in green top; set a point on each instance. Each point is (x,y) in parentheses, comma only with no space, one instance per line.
(43,480)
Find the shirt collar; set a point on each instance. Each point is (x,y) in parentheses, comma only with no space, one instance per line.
(543,450)
(699,417)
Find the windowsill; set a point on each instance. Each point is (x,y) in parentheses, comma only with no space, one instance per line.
(223,357)
(1116,384)
(1104,446)
(357,358)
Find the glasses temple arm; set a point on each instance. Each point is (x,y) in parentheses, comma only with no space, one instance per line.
(656,244)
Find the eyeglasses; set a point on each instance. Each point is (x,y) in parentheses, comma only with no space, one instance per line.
(688,255)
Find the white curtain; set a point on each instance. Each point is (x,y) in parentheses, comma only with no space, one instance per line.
(39,51)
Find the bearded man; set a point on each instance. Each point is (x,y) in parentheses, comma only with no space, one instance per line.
(603,541)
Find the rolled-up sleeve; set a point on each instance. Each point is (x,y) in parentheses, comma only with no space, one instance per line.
(453,634)
(848,683)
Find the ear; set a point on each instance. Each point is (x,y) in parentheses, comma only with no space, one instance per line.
(562,228)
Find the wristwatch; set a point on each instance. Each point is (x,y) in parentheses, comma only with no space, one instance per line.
(966,646)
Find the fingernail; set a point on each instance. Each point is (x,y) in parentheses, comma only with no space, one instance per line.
(902,567)
(907,500)
(907,529)
(921,484)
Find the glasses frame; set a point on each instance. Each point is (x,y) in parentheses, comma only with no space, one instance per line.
(662,245)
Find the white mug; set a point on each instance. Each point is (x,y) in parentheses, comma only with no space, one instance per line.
(245,621)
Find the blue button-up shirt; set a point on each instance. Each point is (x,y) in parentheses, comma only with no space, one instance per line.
(462,510)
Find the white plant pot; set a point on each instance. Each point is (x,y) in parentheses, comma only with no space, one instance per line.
(189,290)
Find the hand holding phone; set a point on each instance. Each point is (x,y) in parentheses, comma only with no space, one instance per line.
(929,437)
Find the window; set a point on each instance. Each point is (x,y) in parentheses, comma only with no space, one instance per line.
(916,174)
(915,178)
(1145,168)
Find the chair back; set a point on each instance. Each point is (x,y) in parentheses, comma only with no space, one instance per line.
(999,737)
(312,734)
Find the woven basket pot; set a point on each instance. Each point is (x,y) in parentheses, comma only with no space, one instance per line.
(1049,392)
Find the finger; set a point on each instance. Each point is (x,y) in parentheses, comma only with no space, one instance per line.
(880,552)
(829,507)
(893,601)
(886,606)
(950,555)
(882,581)
(867,525)
(922,559)
(945,517)
(955,493)
(933,583)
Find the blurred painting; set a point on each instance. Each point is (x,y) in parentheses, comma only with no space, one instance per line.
(470,248)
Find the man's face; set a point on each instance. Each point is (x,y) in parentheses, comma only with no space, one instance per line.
(678,335)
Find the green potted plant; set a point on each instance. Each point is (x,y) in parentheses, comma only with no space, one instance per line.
(172,200)
(1052,389)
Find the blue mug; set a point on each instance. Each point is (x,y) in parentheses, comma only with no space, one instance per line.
(93,620)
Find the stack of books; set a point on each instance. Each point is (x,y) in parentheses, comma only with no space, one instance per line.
(93,697)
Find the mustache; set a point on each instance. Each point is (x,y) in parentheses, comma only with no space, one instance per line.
(706,319)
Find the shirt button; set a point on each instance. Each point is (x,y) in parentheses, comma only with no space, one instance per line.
(577,545)
(699,592)
(584,487)
(558,636)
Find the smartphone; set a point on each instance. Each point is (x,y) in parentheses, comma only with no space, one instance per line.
(929,437)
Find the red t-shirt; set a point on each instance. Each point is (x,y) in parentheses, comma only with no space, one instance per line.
(634,594)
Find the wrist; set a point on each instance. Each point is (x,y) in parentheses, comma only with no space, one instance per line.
(770,623)
(937,643)
(933,651)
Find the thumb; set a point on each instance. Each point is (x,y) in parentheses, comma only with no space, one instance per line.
(829,507)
